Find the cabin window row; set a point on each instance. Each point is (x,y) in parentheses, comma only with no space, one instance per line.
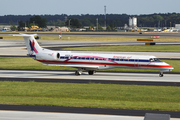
(109,59)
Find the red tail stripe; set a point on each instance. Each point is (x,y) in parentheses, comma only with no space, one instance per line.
(96,63)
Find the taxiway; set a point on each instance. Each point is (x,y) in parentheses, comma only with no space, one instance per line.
(100,76)
(21,115)
(110,34)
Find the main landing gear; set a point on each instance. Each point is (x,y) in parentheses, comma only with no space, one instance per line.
(161,74)
(79,72)
(91,72)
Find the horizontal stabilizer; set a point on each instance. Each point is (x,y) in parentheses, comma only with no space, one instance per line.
(24,35)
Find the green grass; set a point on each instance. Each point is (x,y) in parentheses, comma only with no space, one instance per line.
(91,95)
(80,38)
(139,48)
(72,38)
(29,63)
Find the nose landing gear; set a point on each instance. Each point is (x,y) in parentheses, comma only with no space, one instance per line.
(161,74)
(78,72)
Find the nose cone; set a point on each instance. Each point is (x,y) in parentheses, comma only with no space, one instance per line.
(168,66)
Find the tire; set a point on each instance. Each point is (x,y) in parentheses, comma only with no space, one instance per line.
(91,72)
(161,75)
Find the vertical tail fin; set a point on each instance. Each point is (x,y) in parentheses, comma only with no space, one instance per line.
(31,43)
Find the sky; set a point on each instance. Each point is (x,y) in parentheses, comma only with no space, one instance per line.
(78,7)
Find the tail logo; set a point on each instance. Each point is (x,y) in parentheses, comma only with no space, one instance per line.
(32,45)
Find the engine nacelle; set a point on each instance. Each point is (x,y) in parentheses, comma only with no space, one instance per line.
(48,56)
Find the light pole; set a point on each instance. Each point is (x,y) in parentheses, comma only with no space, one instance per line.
(105,17)
(33,25)
(97,23)
(69,22)
(170,25)
(25,27)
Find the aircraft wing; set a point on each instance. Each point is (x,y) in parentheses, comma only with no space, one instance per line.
(76,66)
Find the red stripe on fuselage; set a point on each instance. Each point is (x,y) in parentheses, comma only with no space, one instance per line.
(97,63)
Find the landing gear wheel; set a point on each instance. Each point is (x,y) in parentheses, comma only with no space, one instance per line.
(77,73)
(91,72)
(160,74)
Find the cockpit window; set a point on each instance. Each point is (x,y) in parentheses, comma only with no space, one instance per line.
(156,59)
(153,59)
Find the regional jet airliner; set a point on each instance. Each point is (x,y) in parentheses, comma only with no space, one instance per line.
(91,62)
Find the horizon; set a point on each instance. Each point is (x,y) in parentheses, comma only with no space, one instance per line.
(93,7)
(91,14)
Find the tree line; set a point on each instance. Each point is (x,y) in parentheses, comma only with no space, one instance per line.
(34,20)
(112,20)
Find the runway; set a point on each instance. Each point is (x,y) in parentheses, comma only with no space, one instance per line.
(91,113)
(22,115)
(99,76)
(64,44)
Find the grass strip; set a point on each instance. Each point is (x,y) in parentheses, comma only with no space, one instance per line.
(29,63)
(91,95)
(82,38)
(74,38)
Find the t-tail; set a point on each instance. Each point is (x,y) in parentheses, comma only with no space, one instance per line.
(31,43)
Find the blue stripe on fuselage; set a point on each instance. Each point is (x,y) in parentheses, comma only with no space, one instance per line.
(112,59)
